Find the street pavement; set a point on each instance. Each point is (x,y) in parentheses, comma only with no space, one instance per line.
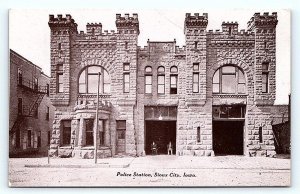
(159,170)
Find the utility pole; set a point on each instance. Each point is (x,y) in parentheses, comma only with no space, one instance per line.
(97,120)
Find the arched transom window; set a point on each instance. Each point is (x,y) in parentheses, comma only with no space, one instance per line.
(229,80)
(88,80)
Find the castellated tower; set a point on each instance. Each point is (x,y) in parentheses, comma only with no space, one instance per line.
(264,27)
(195,35)
(63,32)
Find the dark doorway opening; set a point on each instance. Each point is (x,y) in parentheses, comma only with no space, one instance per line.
(161,132)
(228,137)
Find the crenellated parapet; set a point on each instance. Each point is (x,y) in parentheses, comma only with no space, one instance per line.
(230,28)
(264,20)
(60,21)
(127,22)
(94,29)
(195,21)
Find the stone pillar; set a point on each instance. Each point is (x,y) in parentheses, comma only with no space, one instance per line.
(81,134)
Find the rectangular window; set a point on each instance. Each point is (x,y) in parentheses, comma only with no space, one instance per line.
(48,89)
(198,135)
(228,83)
(216,82)
(173,84)
(121,129)
(161,84)
(126,67)
(196,44)
(36,84)
(126,82)
(20,106)
(265,79)
(49,137)
(66,134)
(29,139)
(47,113)
(20,77)
(195,82)
(36,111)
(148,84)
(260,135)
(60,83)
(39,139)
(89,125)
(195,66)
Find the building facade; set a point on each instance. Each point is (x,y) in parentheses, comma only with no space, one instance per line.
(30,108)
(213,96)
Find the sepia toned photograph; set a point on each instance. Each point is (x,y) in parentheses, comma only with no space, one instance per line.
(149,98)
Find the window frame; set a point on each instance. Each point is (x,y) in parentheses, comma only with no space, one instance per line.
(161,73)
(148,74)
(196,84)
(265,72)
(239,75)
(174,90)
(60,85)
(126,72)
(104,84)
(66,133)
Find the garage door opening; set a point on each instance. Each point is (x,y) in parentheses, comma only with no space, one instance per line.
(228,137)
(161,132)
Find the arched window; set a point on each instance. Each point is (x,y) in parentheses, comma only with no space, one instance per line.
(161,80)
(148,80)
(88,80)
(229,80)
(173,79)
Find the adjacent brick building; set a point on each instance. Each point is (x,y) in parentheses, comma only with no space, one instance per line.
(213,96)
(30,108)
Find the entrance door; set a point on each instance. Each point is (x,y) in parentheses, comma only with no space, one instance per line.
(161,132)
(121,134)
(228,137)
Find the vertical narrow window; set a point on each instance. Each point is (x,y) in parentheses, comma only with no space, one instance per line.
(18,137)
(20,77)
(229,30)
(59,46)
(160,80)
(39,139)
(148,80)
(66,132)
(89,125)
(36,110)
(126,82)
(20,106)
(265,45)
(49,137)
(47,89)
(260,135)
(101,131)
(196,44)
(36,84)
(60,83)
(29,138)
(173,80)
(216,82)
(126,45)
(265,78)
(126,77)
(195,77)
(47,113)
(198,135)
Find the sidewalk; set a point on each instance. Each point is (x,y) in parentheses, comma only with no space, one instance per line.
(160,161)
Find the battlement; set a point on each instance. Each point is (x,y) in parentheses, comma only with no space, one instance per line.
(94,29)
(264,20)
(195,21)
(61,21)
(230,28)
(128,22)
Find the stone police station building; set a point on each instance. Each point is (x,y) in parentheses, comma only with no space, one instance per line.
(214,96)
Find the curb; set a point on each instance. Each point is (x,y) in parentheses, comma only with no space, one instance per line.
(76,166)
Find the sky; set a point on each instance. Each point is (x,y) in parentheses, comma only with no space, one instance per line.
(29,33)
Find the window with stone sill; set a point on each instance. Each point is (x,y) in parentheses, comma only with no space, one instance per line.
(265,77)
(161,80)
(66,132)
(195,77)
(126,77)
(173,79)
(229,80)
(88,80)
(148,80)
